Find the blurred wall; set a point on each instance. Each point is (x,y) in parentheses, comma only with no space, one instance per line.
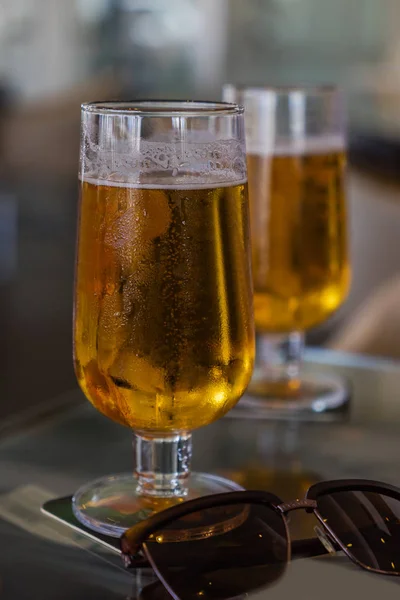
(312,40)
(193,46)
(43,50)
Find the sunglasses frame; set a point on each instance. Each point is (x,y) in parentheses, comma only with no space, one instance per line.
(133,541)
(351,485)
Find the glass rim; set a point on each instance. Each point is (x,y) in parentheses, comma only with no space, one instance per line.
(312,89)
(162,108)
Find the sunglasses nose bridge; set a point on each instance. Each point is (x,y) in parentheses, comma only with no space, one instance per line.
(306,504)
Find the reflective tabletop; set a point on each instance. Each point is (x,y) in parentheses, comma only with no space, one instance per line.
(49,452)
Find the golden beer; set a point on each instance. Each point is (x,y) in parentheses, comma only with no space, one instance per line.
(299,241)
(163,335)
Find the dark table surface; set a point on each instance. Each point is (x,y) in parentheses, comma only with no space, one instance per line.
(64,443)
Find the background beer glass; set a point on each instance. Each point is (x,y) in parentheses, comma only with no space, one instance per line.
(296,166)
(163,323)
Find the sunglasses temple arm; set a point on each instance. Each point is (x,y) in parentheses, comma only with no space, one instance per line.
(309,548)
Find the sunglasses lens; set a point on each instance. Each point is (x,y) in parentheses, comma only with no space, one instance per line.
(367,524)
(220,553)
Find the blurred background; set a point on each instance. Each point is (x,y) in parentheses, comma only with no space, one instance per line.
(54,54)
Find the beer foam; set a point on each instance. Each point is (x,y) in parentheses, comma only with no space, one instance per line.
(307,145)
(180,184)
(150,164)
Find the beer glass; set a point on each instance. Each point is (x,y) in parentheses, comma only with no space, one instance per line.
(296,160)
(163,310)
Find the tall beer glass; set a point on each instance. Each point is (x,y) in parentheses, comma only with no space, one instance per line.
(296,166)
(163,320)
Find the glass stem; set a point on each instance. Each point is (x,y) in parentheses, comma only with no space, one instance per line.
(162,464)
(280,356)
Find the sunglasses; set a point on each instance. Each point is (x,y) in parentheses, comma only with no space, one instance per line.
(227,545)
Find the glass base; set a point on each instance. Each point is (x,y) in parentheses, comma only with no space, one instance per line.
(110,505)
(314,395)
